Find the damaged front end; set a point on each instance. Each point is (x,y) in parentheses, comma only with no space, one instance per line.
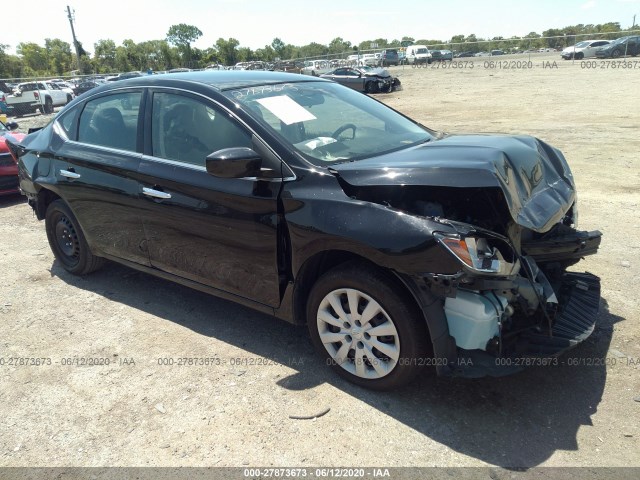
(505,209)
(384,81)
(510,307)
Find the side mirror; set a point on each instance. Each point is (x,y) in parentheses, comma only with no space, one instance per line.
(237,162)
(11,125)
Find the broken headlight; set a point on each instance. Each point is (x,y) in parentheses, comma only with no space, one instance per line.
(488,256)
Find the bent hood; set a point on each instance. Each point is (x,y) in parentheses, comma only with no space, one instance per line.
(536,181)
(377,72)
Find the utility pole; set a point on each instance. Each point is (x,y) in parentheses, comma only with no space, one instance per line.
(73,33)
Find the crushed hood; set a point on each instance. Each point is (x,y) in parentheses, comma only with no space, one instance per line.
(536,181)
(377,72)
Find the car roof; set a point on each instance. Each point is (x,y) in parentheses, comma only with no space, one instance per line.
(220,79)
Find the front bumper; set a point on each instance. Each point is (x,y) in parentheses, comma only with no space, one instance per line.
(579,300)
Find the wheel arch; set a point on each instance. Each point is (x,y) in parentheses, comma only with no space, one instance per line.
(42,201)
(320,263)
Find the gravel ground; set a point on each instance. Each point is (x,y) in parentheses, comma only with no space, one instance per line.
(136,411)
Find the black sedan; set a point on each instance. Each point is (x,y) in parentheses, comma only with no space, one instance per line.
(400,247)
(86,86)
(620,47)
(364,79)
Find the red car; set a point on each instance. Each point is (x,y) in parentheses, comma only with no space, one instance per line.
(8,166)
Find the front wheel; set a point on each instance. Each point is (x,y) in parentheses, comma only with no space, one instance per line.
(67,240)
(371,87)
(366,327)
(616,54)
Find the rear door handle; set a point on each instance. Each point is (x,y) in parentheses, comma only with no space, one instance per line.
(69,174)
(150,192)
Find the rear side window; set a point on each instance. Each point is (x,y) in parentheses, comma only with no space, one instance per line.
(111,121)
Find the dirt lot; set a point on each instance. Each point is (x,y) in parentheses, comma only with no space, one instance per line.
(136,411)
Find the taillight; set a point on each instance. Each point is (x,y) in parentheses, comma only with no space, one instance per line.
(36,95)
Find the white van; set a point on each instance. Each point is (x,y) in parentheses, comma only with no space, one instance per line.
(417,54)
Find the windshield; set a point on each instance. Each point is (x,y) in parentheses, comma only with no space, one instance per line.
(581,44)
(328,123)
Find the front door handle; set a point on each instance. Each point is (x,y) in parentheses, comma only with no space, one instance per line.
(69,174)
(150,192)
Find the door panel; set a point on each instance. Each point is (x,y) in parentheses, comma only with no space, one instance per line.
(219,232)
(96,174)
(104,198)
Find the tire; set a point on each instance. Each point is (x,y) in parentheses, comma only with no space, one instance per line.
(386,360)
(69,98)
(616,53)
(67,240)
(579,56)
(48,105)
(371,87)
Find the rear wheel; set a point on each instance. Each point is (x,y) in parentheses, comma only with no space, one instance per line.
(366,327)
(67,240)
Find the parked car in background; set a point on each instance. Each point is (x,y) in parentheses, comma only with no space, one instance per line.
(389,57)
(315,67)
(88,85)
(8,166)
(620,47)
(370,59)
(30,97)
(464,54)
(496,53)
(124,76)
(417,54)
(482,54)
(584,49)
(395,244)
(66,88)
(364,79)
(441,55)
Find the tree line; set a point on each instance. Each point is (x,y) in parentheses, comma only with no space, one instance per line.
(55,58)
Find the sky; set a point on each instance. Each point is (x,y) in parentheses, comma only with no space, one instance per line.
(255,23)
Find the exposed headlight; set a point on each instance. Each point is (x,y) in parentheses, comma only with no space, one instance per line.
(480,254)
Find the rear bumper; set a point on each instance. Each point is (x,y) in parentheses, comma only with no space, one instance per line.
(579,303)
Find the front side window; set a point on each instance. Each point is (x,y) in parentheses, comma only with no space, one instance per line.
(111,121)
(186,129)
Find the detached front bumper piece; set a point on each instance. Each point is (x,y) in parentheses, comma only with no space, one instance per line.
(579,300)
